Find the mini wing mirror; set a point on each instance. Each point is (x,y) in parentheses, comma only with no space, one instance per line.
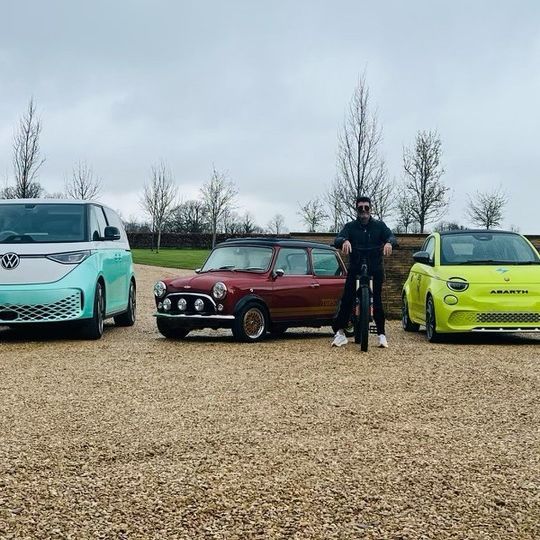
(112,233)
(278,272)
(422,257)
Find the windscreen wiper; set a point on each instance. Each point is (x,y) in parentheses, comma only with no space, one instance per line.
(485,261)
(229,267)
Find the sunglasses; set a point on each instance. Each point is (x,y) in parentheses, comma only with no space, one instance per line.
(363,207)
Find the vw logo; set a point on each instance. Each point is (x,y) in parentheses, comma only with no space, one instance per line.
(9,261)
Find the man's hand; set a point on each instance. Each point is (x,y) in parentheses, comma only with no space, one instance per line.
(346,248)
(387,249)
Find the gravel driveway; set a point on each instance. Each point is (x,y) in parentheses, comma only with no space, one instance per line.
(134,436)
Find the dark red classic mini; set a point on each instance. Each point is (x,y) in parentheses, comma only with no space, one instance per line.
(254,286)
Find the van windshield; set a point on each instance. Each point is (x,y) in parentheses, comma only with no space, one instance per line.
(42,223)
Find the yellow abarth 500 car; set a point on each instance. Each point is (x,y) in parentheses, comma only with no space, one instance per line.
(473,281)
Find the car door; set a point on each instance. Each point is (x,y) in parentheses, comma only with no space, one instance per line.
(329,277)
(293,293)
(108,260)
(122,256)
(423,276)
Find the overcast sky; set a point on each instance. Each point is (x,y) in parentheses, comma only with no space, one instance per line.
(260,90)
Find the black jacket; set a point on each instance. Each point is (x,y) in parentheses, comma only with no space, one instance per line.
(373,234)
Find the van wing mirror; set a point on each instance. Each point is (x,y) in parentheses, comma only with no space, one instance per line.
(112,233)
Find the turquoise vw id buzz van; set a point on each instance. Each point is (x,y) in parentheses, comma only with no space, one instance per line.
(64,261)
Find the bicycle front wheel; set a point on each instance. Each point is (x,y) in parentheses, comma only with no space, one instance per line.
(364,319)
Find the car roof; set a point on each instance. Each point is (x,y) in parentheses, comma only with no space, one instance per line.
(476,231)
(275,241)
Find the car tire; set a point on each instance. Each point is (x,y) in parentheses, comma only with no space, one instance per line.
(128,318)
(431,322)
(406,322)
(93,328)
(250,323)
(170,331)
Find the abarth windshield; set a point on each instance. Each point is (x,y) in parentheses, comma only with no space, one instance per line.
(42,223)
(486,248)
(239,258)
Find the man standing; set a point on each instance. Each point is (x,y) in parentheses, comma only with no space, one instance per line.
(363,232)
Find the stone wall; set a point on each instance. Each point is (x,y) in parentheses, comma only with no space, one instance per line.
(397,266)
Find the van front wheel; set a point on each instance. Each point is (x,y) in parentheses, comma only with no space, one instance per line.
(93,328)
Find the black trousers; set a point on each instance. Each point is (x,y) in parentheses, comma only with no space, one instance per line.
(348,298)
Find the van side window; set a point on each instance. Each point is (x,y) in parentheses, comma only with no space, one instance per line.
(97,223)
(114,221)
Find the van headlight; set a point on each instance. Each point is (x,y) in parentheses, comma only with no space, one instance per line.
(219,290)
(70,257)
(160,289)
(457,284)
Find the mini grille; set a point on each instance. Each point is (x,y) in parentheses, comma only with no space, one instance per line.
(63,310)
(508,317)
(209,306)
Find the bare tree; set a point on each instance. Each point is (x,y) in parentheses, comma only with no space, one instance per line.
(486,209)
(54,195)
(277,225)
(26,157)
(405,219)
(158,198)
(188,217)
(231,223)
(448,226)
(361,170)
(313,214)
(218,196)
(335,207)
(83,184)
(248,224)
(423,170)
(383,199)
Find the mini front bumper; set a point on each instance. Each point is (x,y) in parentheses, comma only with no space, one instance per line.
(197,321)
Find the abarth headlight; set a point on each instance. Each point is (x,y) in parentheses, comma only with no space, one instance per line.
(160,289)
(219,290)
(457,284)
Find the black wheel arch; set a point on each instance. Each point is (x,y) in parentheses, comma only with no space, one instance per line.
(252,298)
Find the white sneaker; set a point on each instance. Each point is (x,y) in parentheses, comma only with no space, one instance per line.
(340,340)
(382,341)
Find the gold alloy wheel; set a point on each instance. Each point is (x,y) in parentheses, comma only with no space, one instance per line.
(254,324)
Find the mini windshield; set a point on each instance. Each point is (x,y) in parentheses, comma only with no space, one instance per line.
(486,248)
(42,223)
(239,258)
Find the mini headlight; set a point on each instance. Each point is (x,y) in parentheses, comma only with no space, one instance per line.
(160,289)
(457,285)
(167,304)
(219,290)
(199,304)
(182,304)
